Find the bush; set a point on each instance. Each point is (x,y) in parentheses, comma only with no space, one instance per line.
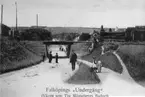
(110,47)
(84,36)
(66,36)
(36,34)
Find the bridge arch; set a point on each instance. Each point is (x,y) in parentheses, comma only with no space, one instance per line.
(68,43)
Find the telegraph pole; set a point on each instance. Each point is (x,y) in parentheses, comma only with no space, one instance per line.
(37,20)
(16,17)
(1,26)
(1,19)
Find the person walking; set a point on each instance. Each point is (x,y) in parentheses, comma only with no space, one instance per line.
(50,57)
(73,59)
(56,58)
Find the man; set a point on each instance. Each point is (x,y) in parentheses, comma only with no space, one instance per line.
(50,57)
(73,59)
(56,58)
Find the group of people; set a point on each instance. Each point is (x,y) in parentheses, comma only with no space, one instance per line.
(50,57)
(73,58)
(97,65)
(62,48)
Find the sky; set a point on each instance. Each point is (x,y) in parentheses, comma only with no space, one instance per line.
(75,13)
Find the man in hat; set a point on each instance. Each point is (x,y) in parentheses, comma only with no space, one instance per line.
(73,59)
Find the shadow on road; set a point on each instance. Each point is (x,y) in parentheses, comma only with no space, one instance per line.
(83,76)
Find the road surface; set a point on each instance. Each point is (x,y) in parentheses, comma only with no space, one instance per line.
(34,81)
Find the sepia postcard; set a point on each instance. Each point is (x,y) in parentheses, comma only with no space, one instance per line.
(72,48)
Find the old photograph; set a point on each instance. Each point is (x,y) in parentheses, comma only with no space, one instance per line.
(72,48)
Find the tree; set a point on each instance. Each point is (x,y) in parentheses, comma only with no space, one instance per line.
(84,36)
(36,34)
(110,30)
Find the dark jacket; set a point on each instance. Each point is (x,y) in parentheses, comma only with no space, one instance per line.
(56,56)
(73,57)
(50,56)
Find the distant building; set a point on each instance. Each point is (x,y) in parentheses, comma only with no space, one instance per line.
(110,30)
(111,34)
(136,33)
(139,33)
(102,31)
(129,34)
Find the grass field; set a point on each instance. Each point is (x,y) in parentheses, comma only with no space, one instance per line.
(109,60)
(134,58)
(14,56)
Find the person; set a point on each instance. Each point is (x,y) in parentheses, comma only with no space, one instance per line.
(43,57)
(102,53)
(94,66)
(50,57)
(56,58)
(60,48)
(94,61)
(73,59)
(99,65)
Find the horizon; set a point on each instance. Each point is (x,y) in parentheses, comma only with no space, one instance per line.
(72,26)
(75,13)
(75,27)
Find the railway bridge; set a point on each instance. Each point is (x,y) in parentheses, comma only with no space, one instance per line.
(68,43)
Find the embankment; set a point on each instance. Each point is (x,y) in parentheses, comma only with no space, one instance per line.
(14,56)
(134,58)
(108,60)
